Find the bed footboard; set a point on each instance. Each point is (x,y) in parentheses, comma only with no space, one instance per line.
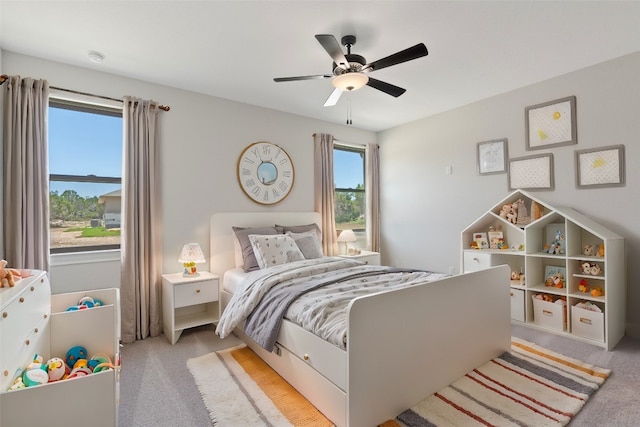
(407,344)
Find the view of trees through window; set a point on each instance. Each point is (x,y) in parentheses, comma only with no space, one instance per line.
(349,179)
(85,166)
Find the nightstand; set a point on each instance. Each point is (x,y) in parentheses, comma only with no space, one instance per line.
(367,257)
(188,302)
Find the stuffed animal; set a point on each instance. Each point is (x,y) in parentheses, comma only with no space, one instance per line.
(583,286)
(597,291)
(7,275)
(601,250)
(74,354)
(586,267)
(588,250)
(594,269)
(57,369)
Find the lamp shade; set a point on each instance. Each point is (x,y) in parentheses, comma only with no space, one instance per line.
(350,81)
(191,252)
(347,236)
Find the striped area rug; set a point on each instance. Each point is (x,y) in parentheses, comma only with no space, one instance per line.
(240,389)
(529,386)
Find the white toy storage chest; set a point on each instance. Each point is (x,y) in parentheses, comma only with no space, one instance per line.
(32,321)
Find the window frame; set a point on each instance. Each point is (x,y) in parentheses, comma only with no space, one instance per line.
(93,106)
(363,152)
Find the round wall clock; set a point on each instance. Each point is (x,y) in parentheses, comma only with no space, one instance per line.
(265,173)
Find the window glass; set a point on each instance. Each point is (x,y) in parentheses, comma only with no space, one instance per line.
(85,167)
(350,202)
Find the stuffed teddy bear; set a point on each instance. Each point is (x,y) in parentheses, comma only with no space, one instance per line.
(586,267)
(7,275)
(588,250)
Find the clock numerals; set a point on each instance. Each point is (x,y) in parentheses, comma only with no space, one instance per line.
(246,172)
(266,150)
(256,190)
(248,160)
(283,161)
(249,183)
(265,197)
(287,174)
(275,193)
(283,185)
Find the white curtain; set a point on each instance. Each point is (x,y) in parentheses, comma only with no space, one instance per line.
(373,196)
(324,191)
(26,174)
(141,247)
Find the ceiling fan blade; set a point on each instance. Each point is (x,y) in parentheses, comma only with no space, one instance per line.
(331,45)
(414,52)
(291,79)
(333,98)
(386,87)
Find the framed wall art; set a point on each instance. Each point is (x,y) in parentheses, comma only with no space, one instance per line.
(551,124)
(600,167)
(492,156)
(531,172)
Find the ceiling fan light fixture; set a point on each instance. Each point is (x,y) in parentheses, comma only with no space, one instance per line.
(350,81)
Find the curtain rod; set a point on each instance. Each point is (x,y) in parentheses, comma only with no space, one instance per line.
(4,78)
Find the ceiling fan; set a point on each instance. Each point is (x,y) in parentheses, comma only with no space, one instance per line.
(350,71)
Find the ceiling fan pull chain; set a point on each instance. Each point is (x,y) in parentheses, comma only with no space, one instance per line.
(349,121)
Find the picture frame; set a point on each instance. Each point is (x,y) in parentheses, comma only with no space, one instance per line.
(481,240)
(600,167)
(531,172)
(553,271)
(492,156)
(551,124)
(496,239)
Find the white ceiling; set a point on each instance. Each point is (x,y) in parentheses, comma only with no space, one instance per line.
(234,49)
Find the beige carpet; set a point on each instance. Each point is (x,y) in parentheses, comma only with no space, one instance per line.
(527,386)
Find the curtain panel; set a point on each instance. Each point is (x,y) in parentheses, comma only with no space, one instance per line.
(26,174)
(372,156)
(141,247)
(324,191)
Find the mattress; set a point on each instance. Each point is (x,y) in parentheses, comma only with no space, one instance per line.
(232,280)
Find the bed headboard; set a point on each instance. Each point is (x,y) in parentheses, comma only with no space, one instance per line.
(221,236)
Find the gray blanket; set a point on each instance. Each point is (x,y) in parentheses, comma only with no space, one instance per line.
(263,324)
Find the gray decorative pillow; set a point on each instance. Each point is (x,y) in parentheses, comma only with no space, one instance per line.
(273,250)
(242,234)
(301,229)
(308,243)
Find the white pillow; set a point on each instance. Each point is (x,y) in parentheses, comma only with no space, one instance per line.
(275,249)
(308,243)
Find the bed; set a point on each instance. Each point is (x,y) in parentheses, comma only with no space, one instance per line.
(403,345)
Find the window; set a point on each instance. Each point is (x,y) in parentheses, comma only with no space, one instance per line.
(85,167)
(349,182)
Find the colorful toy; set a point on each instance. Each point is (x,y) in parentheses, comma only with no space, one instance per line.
(597,291)
(555,247)
(583,286)
(35,373)
(586,267)
(86,302)
(601,250)
(74,354)
(57,369)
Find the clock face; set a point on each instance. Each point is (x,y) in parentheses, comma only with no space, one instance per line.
(265,173)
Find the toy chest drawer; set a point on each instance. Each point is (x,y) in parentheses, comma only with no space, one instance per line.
(476,260)
(517,304)
(587,323)
(549,315)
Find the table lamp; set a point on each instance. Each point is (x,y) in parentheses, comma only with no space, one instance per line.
(191,255)
(346,237)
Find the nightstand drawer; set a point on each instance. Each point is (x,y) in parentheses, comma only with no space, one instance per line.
(196,293)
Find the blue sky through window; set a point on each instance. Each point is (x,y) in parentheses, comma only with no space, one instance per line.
(82,143)
(348,169)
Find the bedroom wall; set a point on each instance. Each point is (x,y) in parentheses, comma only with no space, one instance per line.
(424,209)
(202,137)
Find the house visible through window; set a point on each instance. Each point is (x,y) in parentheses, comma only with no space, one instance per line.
(85,174)
(349,182)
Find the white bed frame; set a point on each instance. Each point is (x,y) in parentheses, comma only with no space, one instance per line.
(403,345)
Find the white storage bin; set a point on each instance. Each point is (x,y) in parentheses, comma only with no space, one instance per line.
(587,323)
(50,334)
(549,314)
(517,304)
